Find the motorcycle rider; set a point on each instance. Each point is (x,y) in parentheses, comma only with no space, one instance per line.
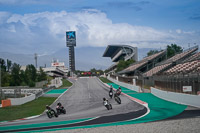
(119,90)
(48,108)
(111,92)
(111,87)
(60,109)
(50,112)
(106,103)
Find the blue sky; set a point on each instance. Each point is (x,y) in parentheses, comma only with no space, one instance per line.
(39,26)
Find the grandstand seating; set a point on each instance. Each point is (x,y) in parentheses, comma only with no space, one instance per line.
(139,64)
(193,57)
(184,68)
(156,70)
(163,65)
(180,56)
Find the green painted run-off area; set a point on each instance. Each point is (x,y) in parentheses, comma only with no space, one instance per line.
(56,91)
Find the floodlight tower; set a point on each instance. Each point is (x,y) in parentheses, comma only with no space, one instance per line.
(71,43)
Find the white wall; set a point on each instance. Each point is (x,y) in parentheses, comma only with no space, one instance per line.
(23,91)
(57,82)
(19,101)
(186,99)
(129,86)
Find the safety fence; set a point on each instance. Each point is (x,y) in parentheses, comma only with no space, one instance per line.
(189,84)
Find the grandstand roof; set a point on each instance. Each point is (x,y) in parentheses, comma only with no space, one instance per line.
(115,52)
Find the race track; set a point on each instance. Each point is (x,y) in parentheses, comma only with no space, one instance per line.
(83,101)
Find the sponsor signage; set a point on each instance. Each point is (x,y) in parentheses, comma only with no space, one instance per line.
(71,38)
(187,88)
(58,64)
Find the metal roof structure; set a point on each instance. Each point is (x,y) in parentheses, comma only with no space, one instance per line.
(117,52)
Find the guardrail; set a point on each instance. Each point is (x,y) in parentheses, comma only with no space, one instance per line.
(186,99)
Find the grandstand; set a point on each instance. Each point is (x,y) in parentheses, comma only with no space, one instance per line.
(173,74)
(145,64)
(188,67)
(193,57)
(120,52)
(167,64)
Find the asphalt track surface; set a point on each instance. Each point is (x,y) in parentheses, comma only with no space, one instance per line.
(85,100)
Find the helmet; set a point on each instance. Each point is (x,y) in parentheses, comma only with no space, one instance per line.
(104,98)
(59,104)
(47,107)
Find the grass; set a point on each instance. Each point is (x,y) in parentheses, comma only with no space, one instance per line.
(105,80)
(66,84)
(32,108)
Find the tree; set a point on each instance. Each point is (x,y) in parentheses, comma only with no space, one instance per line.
(15,78)
(2,64)
(151,52)
(31,75)
(41,75)
(173,49)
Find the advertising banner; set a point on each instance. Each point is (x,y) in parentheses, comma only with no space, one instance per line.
(71,38)
(187,88)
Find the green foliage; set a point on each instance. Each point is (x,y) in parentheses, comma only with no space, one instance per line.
(151,52)
(31,83)
(124,64)
(15,76)
(105,80)
(12,75)
(173,49)
(66,84)
(42,75)
(30,73)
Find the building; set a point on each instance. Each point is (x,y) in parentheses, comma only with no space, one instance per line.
(57,69)
(120,52)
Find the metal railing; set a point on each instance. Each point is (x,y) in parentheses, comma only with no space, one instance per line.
(173,83)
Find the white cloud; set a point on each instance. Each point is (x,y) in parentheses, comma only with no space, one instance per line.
(45,31)
(179,31)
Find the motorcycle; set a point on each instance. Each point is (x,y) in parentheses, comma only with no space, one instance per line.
(60,109)
(117,98)
(107,105)
(111,94)
(51,113)
(118,92)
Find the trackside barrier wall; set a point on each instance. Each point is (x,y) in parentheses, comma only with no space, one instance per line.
(19,101)
(180,98)
(57,82)
(6,103)
(129,86)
